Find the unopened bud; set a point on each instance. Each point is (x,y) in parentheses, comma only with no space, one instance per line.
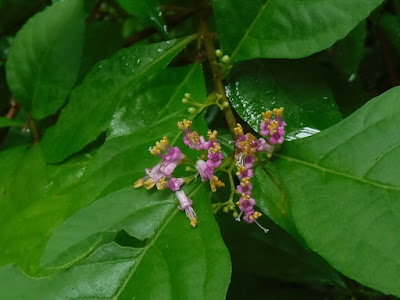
(187,96)
(225,209)
(231,207)
(219,52)
(225,59)
(235,214)
(185,101)
(225,104)
(191,110)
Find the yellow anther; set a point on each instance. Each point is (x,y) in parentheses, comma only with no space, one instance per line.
(193,137)
(278,112)
(241,169)
(149,183)
(238,130)
(245,181)
(273,126)
(193,222)
(212,135)
(245,197)
(138,183)
(251,217)
(160,146)
(267,115)
(257,214)
(185,125)
(238,203)
(161,184)
(215,148)
(215,183)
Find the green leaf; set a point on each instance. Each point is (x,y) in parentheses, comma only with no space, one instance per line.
(96,99)
(4,122)
(285,29)
(187,261)
(149,9)
(45,56)
(94,48)
(116,165)
(300,88)
(343,193)
(159,101)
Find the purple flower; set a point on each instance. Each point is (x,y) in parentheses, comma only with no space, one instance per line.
(171,157)
(274,128)
(186,205)
(175,184)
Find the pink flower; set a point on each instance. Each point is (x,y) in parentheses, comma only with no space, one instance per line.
(186,205)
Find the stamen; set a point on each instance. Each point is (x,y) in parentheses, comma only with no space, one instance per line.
(238,217)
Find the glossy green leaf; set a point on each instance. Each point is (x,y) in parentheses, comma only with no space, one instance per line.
(285,28)
(117,164)
(300,88)
(96,99)
(149,9)
(176,263)
(4,122)
(45,56)
(342,191)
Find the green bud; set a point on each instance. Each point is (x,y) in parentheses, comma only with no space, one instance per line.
(225,104)
(231,207)
(219,52)
(235,214)
(226,59)
(187,96)
(225,209)
(185,101)
(191,110)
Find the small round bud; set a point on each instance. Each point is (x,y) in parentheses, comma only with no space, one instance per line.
(235,214)
(219,52)
(214,205)
(185,101)
(231,207)
(191,110)
(225,104)
(187,96)
(225,209)
(225,59)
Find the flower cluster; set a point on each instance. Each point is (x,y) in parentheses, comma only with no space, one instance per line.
(195,141)
(157,176)
(247,149)
(273,128)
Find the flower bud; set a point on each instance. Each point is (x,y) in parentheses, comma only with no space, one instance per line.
(191,110)
(226,59)
(185,101)
(187,96)
(225,104)
(225,209)
(235,214)
(219,52)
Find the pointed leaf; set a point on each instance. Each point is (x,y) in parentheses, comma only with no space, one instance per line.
(187,261)
(286,29)
(97,98)
(343,193)
(45,56)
